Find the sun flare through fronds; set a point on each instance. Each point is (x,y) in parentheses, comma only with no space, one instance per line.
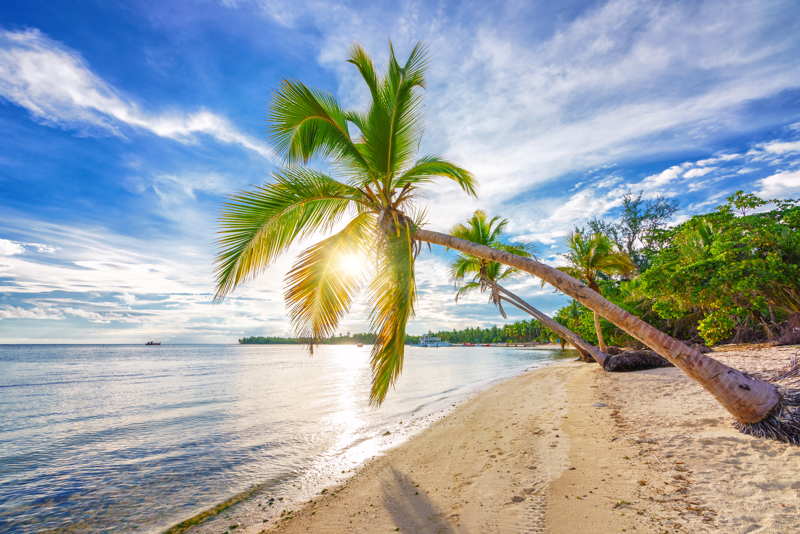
(377,177)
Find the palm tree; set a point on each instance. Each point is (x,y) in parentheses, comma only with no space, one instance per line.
(379,179)
(591,256)
(472,273)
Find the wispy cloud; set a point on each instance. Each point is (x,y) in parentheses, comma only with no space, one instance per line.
(781,185)
(58,88)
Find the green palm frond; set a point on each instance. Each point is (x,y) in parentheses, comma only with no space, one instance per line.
(391,127)
(308,123)
(320,289)
(373,154)
(257,226)
(572,271)
(362,61)
(596,253)
(617,262)
(463,266)
(467,288)
(393,292)
(520,249)
(484,274)
(428,168)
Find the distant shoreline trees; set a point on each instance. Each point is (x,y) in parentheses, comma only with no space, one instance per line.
(518,332)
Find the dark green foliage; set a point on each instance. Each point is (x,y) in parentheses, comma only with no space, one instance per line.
(729,275)
(519,332)
(349,339)
(736,274)
(639,226)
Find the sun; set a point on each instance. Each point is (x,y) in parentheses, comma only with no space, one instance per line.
(351,263)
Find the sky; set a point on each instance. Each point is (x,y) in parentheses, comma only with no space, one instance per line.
(125,125)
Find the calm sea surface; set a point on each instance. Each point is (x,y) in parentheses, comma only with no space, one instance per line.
(121,438)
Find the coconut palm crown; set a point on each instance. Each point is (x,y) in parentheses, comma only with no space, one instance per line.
(590,257)
(473,273)
(368,198)
(476,273)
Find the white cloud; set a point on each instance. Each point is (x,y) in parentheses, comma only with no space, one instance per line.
(10,248)
(781,147)
(780,185)
(38,312)
(128,299)
(698,172)
(721,158)
(664,177)
(57,87)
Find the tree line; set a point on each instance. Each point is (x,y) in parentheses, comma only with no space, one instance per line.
(729,275)
(518,332)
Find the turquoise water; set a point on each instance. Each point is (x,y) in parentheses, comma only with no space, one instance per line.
(120,438)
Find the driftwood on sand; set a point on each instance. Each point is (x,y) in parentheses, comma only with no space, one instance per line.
(633,360)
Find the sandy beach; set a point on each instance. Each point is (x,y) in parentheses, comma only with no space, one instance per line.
(569,448)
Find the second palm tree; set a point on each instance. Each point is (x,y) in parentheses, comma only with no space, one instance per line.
(473,273)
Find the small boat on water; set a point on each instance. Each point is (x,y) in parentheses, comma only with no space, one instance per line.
(153,343)
(432,341)
(359,345)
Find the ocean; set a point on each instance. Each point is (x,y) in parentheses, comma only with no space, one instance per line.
(123,438)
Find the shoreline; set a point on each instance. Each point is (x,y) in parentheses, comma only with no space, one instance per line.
(567,447)
(260,505)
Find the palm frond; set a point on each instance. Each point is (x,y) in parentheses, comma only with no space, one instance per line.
(467,288)
(464,265)
(617,262)
(362,61)
(307,123)
(320,289)
(390,130)
(520,249)
(429,168)
(257,226)
(393,292)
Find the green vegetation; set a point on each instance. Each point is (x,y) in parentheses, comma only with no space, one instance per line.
(518,332)
(471,273)
(592,256)
(731,275)
(347,339)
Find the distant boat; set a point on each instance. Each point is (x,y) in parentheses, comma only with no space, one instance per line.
(359,345)
(153,343)
(432,341)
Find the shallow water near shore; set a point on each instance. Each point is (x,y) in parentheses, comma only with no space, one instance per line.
(123,438)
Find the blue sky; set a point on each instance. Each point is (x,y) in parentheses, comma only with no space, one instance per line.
(126,125)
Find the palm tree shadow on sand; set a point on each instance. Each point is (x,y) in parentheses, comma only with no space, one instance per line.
(411,508)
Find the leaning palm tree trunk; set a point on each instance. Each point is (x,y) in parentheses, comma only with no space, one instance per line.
(599,331)
(577,341)
(758,406)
